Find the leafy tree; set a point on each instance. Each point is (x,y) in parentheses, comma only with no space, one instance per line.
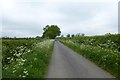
(72,35)
(51,31)
(37,36)
(68,35)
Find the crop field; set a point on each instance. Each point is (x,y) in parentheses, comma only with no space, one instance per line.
(25,58)
(102,50)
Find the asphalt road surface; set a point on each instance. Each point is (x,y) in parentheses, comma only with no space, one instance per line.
(65,63)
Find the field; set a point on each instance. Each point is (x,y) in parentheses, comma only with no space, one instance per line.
(29,58)
(25,58)
(0,58)
(102,50)
(0,50)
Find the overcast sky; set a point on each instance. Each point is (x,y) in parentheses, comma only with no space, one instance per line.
(26,18)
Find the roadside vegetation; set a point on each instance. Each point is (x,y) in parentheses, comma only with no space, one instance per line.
(0,58)
(102,50)
(0,50)
(26,58)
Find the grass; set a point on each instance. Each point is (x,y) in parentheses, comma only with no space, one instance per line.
(0,50)
(105,58)
(0,58)
(32,64)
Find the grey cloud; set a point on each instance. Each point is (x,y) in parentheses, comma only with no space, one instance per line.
(13,27)
(29,18)
(80,11)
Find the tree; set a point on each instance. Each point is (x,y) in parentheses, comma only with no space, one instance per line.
(68,35)
(51,31)
(72,35)
(37,36)
(82,34)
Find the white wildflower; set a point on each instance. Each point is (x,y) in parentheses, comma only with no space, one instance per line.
(23,76)
(35,59)
(14,71)
(8,58)
(19,75)
(25,72)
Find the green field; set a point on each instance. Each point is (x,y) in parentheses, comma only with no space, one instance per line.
(29,58)
(102,50)
(0,58)
(0,50)
(26,58)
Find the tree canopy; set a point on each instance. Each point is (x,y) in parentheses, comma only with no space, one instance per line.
(51,31)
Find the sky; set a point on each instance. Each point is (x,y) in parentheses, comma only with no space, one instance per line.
(26,18)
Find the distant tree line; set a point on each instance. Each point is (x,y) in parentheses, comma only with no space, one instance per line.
(73,35)
(50,32)
(37,37)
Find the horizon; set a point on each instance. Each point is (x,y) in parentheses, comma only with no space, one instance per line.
(59,36)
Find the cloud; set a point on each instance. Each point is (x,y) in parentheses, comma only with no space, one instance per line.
(91,19)
(28,17)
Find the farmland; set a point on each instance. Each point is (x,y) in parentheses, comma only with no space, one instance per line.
(0,49)
(25,58)
(30,58)
(102,50)
(0,58)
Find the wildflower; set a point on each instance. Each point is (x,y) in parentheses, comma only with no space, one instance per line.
(13,68)
(8,58)
(35,59)
(12,59)
(23,76)
(116,63)
(28,51)
(21,63)
(14,71)
(18,55)
(19,75)
(23,60)
(6,67)
(25,72)
(24,69)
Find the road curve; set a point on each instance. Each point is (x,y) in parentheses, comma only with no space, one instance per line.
(65,63)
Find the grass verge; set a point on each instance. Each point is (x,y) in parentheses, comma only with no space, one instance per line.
(105,58)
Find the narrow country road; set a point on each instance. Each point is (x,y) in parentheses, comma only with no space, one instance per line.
(66,63)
